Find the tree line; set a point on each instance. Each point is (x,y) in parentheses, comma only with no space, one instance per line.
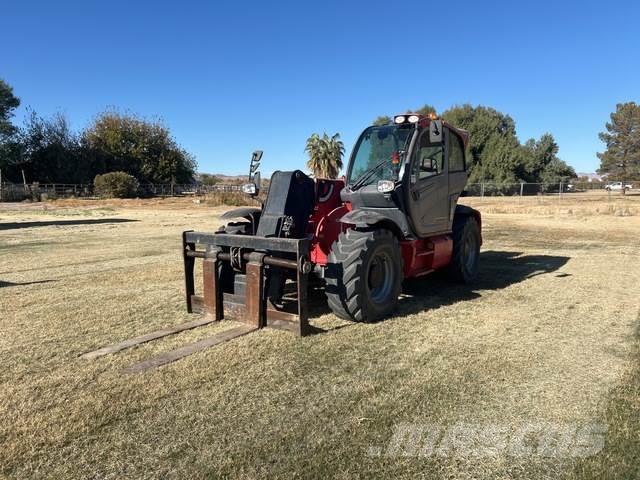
(494,153)
(47,150)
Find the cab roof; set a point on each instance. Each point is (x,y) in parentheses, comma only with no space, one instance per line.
(424,120)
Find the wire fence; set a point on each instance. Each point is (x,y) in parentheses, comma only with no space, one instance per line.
(522,189)
(41,192)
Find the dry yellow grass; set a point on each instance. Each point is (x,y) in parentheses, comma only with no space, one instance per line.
(546,335)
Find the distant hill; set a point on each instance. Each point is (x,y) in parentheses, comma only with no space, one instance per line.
(593,177)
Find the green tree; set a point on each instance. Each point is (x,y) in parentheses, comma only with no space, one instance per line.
(557,171)
(493,151)
(542,164)
(382,120)
(8,103)
(8,146)
(115,185)
(425,110)
(622,138)
(142,148)
(49,151)
(325,155)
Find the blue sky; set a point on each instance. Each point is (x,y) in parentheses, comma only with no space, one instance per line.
(232,77)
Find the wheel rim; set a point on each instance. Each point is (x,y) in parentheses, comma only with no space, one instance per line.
(470,252)
(380,277)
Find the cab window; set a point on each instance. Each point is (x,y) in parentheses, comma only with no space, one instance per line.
(429,159)
(456,153)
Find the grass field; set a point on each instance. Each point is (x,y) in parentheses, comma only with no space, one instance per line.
(548,335)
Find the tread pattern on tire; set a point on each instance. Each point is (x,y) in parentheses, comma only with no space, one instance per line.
(461,227)
(344,276)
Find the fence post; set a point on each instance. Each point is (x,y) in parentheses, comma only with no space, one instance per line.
(482,190)
(521,189)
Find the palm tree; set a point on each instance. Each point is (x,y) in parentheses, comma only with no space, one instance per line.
(325,155)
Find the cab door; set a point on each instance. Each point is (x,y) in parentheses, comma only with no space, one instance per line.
(428,192)
(457,168)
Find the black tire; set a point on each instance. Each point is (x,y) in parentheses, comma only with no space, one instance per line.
(236,228)
(364,275)
(466,250)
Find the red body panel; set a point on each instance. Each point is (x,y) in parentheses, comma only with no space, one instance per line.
(419,256)
(323,223)
(425,255)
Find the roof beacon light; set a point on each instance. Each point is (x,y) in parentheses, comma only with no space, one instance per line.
(414,119)
(433,116)
(399,119)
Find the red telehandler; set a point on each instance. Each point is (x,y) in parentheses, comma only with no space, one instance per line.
(394,216)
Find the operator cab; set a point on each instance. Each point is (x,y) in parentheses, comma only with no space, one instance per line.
(415,165)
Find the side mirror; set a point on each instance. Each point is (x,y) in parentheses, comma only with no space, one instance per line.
(255,162)
(253,187)
(435,131)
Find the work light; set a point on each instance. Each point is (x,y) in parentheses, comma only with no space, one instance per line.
(386,186)
(249,188)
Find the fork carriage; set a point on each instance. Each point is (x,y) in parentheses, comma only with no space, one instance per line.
(238,272)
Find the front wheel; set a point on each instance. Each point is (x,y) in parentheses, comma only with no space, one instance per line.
(364,275)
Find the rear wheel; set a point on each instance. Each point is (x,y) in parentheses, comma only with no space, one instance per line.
(466,250)
(364,275)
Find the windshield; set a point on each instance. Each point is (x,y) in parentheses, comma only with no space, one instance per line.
(378,145)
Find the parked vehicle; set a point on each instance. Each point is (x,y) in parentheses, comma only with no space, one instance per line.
(617,186)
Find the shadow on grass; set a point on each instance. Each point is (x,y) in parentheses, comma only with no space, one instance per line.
(498,270)
(19,284)
(49,223)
